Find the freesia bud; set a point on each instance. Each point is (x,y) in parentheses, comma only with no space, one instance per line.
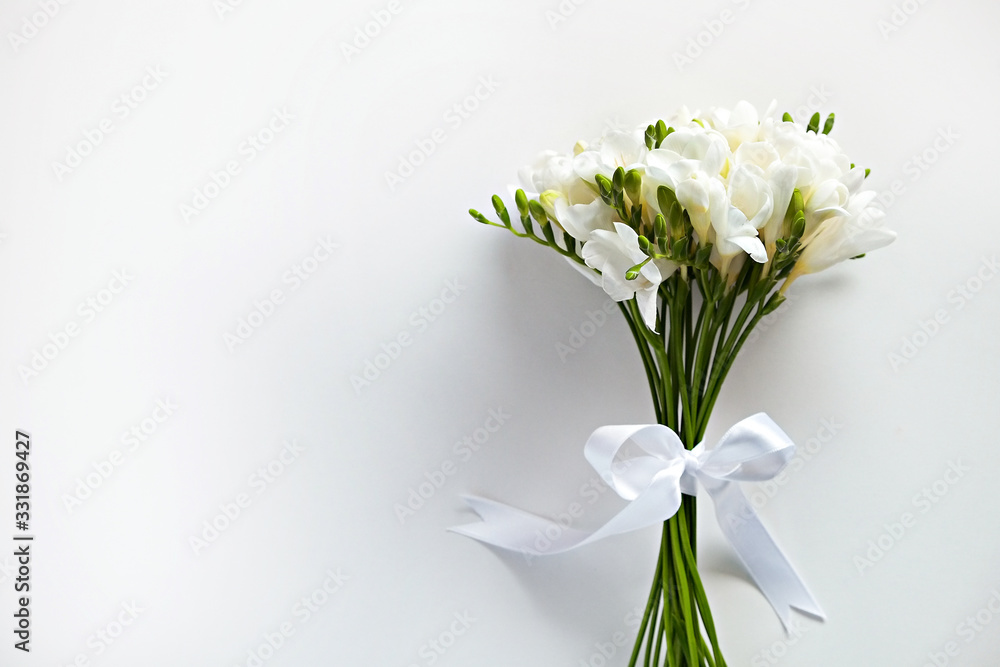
(521,200)
(813,123)
(828,125)
(501,210)
(633,185)
(537,212)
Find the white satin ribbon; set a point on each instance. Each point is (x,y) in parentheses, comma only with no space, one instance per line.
(755,449)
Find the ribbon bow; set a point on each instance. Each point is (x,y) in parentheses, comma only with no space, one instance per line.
(755,449)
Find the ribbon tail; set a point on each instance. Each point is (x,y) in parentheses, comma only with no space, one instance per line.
(763,558)
(516,530)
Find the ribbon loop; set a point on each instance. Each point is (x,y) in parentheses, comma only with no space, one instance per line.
(754,449)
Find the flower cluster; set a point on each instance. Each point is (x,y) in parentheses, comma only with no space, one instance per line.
(727,199)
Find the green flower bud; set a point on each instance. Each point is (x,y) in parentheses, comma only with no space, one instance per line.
(828,125)
(501,210)
(618,179)
(478,216)
(676,221)
(787,118)
(799,225)
(633,185)
(813,123)
(521,200)
(604,186)
(650,137)
(666,198)
(633,273)
(537,212)
(660,230)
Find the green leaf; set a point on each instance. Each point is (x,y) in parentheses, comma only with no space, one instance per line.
(703,255)
(679,249)
(569,242)
(549,233)
(772,304)
(859,256)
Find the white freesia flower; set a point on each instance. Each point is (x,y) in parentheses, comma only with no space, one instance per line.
(616,149)
(613,253)
(733,173)
(580,220)
(844,237)
(554,172)
(689,162)
(736,221)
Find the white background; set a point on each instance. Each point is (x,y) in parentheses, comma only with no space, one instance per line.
(558,75)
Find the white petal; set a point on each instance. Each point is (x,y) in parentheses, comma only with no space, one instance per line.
(646,300)
(587,273)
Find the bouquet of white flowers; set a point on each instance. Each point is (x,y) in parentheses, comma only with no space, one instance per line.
(696,226)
